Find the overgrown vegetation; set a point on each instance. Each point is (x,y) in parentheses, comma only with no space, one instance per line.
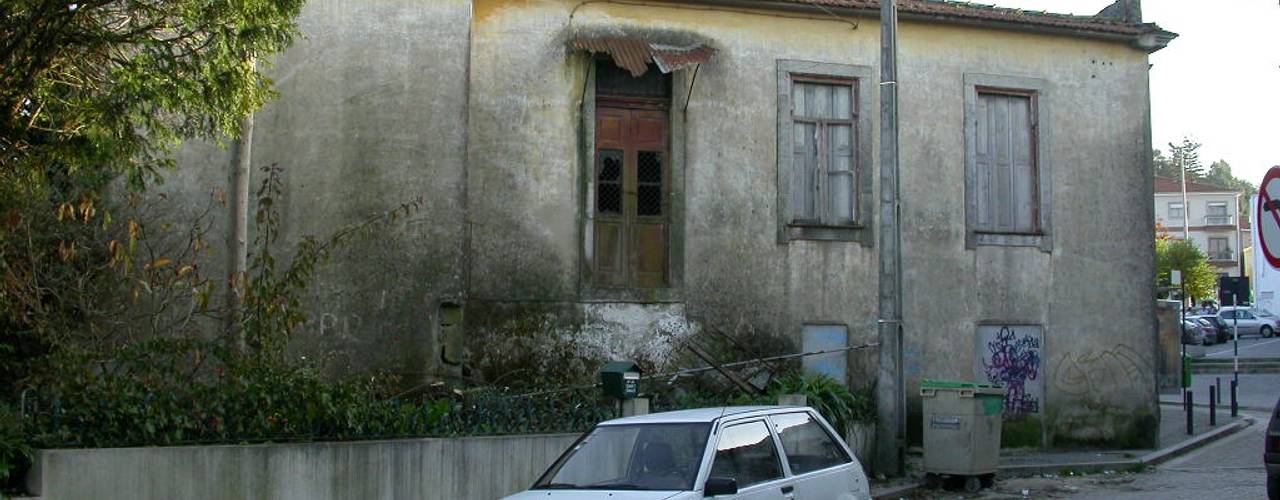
(94,98)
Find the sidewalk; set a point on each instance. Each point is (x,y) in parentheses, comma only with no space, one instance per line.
(1257,391)
(1173,441)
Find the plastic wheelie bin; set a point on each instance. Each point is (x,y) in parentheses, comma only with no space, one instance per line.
(961,431)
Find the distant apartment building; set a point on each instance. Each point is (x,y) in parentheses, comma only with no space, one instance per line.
(1208,217)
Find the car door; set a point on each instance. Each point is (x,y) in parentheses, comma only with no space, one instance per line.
(1248,322)
(820,465)
(1235,321)
(746,451)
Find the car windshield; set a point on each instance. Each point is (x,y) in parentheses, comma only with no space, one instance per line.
(631,457)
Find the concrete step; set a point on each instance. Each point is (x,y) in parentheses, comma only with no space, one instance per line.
(1245,367)
(1227,360)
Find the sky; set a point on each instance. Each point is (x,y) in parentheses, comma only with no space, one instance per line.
(1218,83)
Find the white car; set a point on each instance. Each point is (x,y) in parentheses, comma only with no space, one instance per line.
(1250,321)
(750,452)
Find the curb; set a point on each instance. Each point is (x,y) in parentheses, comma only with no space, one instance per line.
(1221,407)
(1170,452)
(896,492)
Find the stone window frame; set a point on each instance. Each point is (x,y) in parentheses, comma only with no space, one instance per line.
(1038,89)
(861,80)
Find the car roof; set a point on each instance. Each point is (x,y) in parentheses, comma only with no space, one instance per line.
(699,415)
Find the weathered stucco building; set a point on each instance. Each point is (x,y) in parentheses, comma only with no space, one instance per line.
(726,176)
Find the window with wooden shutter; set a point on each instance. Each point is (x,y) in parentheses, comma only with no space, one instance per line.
(1007,180)
(1004,157)
(824,152)
(823,170)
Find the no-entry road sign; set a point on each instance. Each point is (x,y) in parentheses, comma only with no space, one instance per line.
(1268,217)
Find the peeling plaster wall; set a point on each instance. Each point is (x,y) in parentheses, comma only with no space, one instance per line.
(477,106)
(1092,293)
(371,114)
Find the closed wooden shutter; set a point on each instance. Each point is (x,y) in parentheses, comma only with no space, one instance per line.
(1006,178)
(823,172)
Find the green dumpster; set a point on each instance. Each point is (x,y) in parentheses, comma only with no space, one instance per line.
(961,431)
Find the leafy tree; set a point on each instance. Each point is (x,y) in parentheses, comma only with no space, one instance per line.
(91,92)
(1198,276)
(1163,165)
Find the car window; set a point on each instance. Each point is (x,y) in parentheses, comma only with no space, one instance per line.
(806,444)
(746,453)
(1244,315)
(1204,322)
(632,457)
(1228,314)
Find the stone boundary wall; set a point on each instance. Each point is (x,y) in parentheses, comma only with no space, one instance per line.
(471,468)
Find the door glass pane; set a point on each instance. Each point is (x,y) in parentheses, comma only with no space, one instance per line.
(649,183)
(807,445)
(609,182)
(746,453)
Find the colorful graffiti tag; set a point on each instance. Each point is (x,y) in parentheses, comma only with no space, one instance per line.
(1012,360)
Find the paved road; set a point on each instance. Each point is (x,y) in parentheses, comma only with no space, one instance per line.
(1250,347)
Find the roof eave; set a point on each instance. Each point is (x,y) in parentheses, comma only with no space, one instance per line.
(1150,40)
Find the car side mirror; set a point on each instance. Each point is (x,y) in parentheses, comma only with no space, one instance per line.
(720,485)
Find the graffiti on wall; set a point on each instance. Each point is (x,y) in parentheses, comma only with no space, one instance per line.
(1117,369)
(1010,356)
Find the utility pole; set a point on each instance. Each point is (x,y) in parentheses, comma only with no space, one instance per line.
(890,392)
(1186,209)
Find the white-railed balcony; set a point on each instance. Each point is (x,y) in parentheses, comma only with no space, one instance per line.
(1222,256)
(1219,220)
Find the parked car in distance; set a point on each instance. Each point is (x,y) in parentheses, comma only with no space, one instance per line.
(1250,321)
(1271,454)
(1213,333)
(747,452)
(1193,332)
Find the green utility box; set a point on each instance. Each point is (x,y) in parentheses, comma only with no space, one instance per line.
(1186,372)
(962,430)
(621,379)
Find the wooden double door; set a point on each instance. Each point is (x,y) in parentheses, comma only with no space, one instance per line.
(632,198)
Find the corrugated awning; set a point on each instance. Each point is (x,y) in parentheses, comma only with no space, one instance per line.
(634,54)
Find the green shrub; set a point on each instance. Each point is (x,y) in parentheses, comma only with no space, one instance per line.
(833,400)
(15,454)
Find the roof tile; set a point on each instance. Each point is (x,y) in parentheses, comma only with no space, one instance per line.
(1167,185)
(967,10)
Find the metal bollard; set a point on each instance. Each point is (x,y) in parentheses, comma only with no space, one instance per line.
(1213,406)
(1218,382)
(1235,408)
(1190,421)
